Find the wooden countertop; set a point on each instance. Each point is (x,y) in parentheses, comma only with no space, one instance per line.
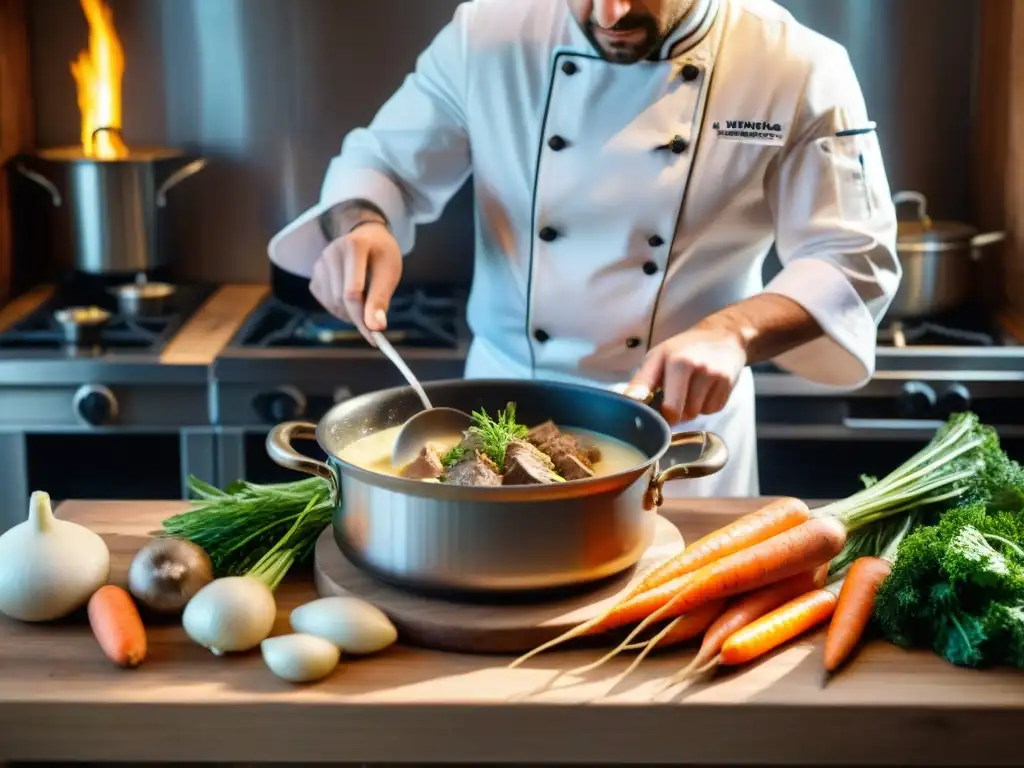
(61,700)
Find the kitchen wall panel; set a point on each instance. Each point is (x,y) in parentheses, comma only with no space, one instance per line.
(15,121)
(269,87)
(999,148)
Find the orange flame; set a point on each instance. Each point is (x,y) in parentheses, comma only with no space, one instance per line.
(98,73)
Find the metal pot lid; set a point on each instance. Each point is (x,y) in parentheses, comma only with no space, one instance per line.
(923,230)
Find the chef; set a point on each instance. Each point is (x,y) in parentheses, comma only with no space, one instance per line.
(633,163)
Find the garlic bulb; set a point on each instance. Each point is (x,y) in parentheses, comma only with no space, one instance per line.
(230,615)
(300,658)
(352,624)
(49,568)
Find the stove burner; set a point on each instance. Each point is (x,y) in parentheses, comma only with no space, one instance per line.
(926,333)
(420,317)
(88,322)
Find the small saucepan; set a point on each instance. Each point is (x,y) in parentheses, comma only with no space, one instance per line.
(939,262)
(144,299)
(429,536)
(82,326)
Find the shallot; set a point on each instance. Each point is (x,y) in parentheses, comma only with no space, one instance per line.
(355,626)
(167,573)
(300,658)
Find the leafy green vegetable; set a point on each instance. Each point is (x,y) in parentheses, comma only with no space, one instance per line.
(958,586)
(495,434)
(963,461)
(259,530)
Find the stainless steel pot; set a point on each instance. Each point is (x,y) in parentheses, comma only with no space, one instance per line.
(938,259)
(107,220)
(144,299)
(431,536)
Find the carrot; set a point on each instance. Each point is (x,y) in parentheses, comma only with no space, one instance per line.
(779,626)
(802,548)
(116,623)
(774,518)
(853,611)
(748,531)
(743,612)
(684,628)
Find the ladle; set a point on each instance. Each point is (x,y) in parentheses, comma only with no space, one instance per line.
(425,425)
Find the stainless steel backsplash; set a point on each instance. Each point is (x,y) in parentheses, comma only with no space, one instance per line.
(268,88)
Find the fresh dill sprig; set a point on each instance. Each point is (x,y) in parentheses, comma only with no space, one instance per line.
(495,434)
(456,454)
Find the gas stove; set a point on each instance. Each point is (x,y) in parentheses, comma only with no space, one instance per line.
(293,360)
(421,318)
(80,319)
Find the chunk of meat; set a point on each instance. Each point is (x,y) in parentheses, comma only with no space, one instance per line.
(518,448)
(426,466)
(571,468)
(543,433)
(526,464)
(476,469)
(572,460)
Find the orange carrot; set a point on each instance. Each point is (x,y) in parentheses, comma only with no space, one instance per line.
(774,518)
(778,627)
(787,554)
(684,628)
(743,612)
(853,612)
(116,623)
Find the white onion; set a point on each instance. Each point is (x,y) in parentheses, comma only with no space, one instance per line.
(49,568)
(230,615)
(300,658)
(352,624)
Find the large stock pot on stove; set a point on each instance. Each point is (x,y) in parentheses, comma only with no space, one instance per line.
(108,213)
(939,260)
(497,539)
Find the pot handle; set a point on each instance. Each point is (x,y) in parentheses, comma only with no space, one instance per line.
(908,196)
(281,452)
(176,178)
(987,239)
(43,182)
(713,458)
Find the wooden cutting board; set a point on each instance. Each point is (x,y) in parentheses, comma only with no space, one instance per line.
(493,627)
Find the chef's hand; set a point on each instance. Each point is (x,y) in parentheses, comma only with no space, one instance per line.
(697,370)
(357,274)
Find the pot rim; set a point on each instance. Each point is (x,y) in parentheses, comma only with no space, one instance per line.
(72,155)
(568,489)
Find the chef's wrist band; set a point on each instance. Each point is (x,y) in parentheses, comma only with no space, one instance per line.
(332,220)
(364,222)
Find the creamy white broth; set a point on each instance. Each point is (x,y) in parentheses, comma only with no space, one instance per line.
(373,452)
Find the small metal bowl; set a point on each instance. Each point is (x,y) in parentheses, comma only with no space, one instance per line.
(82,326)
(144,299)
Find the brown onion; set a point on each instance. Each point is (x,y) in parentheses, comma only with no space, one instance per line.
(166,573)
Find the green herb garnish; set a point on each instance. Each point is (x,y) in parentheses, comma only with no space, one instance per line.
(259,530)
(454,456)
(495,434)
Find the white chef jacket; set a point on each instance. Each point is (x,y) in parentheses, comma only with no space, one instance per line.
(617,205)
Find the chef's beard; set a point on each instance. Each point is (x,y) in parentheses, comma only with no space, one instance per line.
(628,53)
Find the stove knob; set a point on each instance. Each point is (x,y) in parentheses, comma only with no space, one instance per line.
(95,405)
(284,404)
(956,399)
(916,401)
